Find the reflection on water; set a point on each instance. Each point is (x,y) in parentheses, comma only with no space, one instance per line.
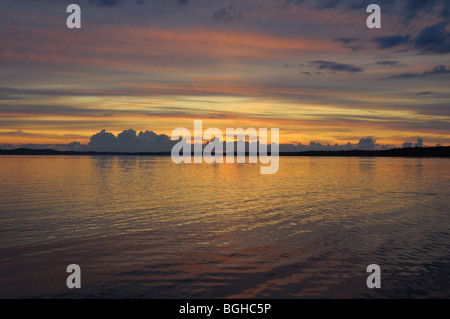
(143,227)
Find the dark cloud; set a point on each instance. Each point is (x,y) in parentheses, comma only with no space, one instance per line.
(227,14)
(407,145)
(446,11)
(336,67)
(391,41)
(437,70)
(147,142)
(114,3)
(387,147)
(107,3)
(346,40)
(413,8)
(419,143)
(363,144)
(424,93)
(420,5)
(406,10)
(316,146)
(130,141)
(351,43)
(407,75)
(367,144)
(388,62)
(434,39)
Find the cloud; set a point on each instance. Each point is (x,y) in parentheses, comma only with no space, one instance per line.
(407,9)
(413,8)
(424,93)
(107,3)
(364,144)
(434,39)
(367,144)
(391,41)
(350,43)
(336,67)
(130,141)
(388,62)
(407,145)
(407,75)
(227,14)
(347,40)
(419,143)
(114,3)
(437,70)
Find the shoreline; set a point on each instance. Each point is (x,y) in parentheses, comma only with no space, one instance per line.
(442,152)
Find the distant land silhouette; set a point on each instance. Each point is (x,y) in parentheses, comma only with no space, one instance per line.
(443,151)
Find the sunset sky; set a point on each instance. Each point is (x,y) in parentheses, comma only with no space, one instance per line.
(310,68)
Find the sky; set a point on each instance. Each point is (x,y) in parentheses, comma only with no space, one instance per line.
(139,69)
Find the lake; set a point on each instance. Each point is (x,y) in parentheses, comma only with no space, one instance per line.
(144,227)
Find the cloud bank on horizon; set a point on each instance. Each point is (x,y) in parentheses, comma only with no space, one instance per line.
(131,141)
(311,68)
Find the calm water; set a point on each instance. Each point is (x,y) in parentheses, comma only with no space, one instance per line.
(143,227)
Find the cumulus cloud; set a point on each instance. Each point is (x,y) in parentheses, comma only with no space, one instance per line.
(407,145)
(130,141)
(419,143)
(367,143)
